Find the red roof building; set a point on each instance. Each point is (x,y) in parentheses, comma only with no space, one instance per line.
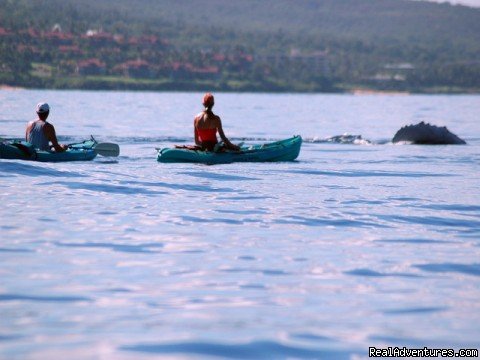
(58,38)
(70,49)
(4,32)
(91,67)
(135,68)
(99,38)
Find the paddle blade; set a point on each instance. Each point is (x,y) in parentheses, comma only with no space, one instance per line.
(107,149)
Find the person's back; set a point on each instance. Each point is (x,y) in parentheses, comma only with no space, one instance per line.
(206,124)
(36,135)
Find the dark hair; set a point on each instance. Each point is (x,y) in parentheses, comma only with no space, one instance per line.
(44,114)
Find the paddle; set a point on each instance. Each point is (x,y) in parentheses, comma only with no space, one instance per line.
(107,149)
(104,149)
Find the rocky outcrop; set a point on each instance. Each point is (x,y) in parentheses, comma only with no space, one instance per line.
(426,134)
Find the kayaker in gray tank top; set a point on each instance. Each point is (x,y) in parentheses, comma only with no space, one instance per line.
(40,133)
(37,136)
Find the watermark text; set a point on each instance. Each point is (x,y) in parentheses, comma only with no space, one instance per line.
(424,352)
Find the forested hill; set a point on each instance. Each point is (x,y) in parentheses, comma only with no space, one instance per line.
(363,19)
(308,45)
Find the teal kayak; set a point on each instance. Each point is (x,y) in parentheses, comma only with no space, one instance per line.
(284,150)
(23,150)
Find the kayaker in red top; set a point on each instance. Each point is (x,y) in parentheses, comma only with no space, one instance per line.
(206,125)
(40,133)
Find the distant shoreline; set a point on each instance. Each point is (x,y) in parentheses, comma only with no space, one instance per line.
(247,89)
(9,87)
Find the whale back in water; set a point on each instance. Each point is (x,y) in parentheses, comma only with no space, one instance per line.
(426,134)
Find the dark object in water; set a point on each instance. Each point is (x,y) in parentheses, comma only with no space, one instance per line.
(426,134)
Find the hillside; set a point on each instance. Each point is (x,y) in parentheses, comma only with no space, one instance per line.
(364,19)
(288,45)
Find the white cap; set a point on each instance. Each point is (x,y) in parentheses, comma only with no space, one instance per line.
(42,108)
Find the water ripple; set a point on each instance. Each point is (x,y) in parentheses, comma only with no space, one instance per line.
(15,250)
(39,298)
(140,248)
(432,220)
(10,337)
(177,186)
(372,273)
(301,220)
(415,241)
(20,168)
(468,269)
(213,220)
(372,173)
(217,176)
(106,188)
(415,310)
(251,350)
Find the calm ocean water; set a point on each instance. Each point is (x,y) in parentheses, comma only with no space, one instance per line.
(353,245)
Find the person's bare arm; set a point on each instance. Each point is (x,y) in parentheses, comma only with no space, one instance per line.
(227,142)
(195,133)
(52,137)
(27,131)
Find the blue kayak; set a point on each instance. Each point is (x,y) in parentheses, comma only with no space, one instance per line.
(284,150)
(23,150)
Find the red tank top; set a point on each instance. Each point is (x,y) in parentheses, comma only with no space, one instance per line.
(207,135)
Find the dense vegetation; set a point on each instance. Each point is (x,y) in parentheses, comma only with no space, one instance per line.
(256,45)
